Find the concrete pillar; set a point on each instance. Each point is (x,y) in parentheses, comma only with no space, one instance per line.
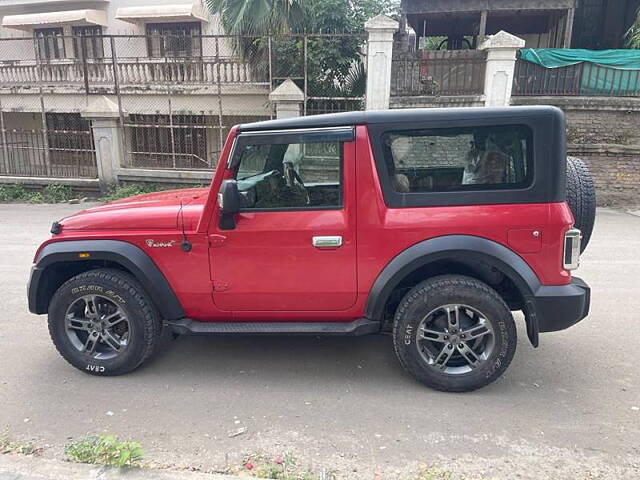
(482,29)
(501,62)
(107,138)
(288,99)
(568,27)
(379,53)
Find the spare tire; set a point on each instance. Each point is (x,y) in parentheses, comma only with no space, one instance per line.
(581,197)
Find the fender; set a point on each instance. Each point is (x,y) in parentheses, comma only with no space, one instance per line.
(125,254)
(458,248)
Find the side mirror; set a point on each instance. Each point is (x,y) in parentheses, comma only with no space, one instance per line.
(229,202)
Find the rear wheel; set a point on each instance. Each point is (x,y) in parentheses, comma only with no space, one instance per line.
(103,323)
(454,333)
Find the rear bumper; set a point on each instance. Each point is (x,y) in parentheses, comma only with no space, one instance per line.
(559,307)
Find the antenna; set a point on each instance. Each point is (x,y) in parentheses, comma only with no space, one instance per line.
(186,244)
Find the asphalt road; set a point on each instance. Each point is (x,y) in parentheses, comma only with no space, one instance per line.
(568,409)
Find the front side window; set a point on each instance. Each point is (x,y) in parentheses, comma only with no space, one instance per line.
(459,159)
(296,175)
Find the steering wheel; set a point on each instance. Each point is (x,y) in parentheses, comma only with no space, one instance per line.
(294,180)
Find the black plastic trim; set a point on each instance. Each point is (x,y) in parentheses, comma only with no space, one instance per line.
(559,307)
(549,147)
(460,248)
(290,209)
(340,134)
(549,159)
(362,326)
(408,116)
(125,254)
(297,135)
(33,285)
(546,308)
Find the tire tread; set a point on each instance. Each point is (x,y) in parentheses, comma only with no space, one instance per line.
(581,197)
(422,291)
(151,322)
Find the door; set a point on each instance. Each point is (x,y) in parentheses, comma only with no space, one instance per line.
(293,247)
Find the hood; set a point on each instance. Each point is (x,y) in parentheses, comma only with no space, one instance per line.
(155,211)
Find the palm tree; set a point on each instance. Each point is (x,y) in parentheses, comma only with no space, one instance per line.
(334,66)
(633,34)
(257,17)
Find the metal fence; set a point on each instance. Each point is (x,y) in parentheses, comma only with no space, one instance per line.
(586,79)
(177,95)
(47,153)
(122,60)
(438,72)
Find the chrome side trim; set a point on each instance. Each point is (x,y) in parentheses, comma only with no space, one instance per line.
(327,242)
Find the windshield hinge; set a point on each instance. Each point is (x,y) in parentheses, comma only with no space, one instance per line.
(216,240)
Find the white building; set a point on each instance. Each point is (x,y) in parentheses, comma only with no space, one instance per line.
(177,85)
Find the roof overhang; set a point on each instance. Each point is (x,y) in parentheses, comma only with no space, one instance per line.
(180,12)
(30,21)
(467,23)
(453,6)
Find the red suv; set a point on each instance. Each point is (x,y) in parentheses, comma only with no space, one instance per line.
(432,224)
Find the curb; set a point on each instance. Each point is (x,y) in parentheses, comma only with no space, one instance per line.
(15,467)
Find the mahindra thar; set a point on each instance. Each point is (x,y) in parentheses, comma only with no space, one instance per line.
(432,224)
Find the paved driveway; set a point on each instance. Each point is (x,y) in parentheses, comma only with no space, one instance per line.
(565,410)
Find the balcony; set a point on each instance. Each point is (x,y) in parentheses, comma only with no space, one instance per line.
(91,64)
(133,71)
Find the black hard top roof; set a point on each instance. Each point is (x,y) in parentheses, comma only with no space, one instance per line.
(398,116)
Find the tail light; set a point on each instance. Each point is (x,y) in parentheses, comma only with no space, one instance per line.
(571,256)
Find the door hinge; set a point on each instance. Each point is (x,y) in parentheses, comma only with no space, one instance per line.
(219,286)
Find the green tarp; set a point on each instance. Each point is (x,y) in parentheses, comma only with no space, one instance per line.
(603,72)
(562,57)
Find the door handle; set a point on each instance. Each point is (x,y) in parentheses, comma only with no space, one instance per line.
(327,242)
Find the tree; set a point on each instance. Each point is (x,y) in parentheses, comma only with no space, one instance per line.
(272,17)
(633,34)
(257,17)
(333,63)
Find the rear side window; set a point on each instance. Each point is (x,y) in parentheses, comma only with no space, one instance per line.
(459,159)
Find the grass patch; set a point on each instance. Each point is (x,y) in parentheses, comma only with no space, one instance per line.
(54,193)
(433,472)
(20,448)
(280,467)
(104,450)
(131,190)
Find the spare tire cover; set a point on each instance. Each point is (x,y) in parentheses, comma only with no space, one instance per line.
(581,197)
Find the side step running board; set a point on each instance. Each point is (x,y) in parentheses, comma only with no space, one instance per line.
(362,326)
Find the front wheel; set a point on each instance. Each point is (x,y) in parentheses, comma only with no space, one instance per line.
(103,323)
(454,333)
